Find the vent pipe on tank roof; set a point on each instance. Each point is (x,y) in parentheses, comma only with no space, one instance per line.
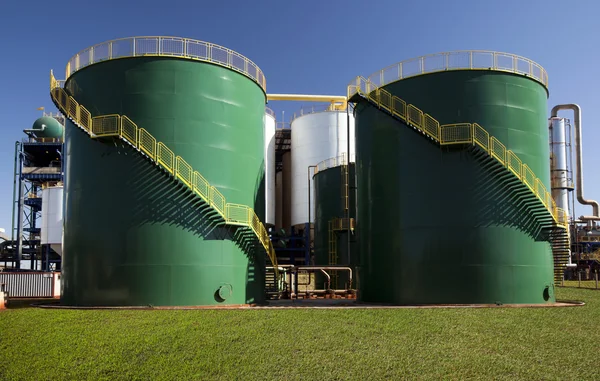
(579,159)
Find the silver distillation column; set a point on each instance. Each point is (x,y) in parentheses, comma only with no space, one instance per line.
(559,135)
(561,179)
(560,175)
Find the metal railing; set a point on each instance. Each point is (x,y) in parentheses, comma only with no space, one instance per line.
(124,128)
(462,133)
(333,162)
(313,109)
(166,46)
(460,60)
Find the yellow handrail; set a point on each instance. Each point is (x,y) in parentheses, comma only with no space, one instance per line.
(123,127)
(459,133)
(333,162)
(458,60)
(166,46)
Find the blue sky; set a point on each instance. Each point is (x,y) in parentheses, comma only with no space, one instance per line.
(314,47)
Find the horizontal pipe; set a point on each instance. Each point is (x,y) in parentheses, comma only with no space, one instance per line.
(321,268)
(340,101)
(589,218)
(35,129)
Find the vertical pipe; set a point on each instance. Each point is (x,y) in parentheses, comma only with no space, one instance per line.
(295,281)
(19,237)
(347,185)
(12,231)
(579,158)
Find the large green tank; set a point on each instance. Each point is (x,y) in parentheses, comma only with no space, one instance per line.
(434,224)
(48,127)
(132,235)
(330,205)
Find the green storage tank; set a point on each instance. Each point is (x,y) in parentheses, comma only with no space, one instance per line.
(434,224)
(48,127)
(331,232)
(133,236)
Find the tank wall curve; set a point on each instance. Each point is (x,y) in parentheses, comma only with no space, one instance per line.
(132,236)
(510,107)
(315,137)
(436,225)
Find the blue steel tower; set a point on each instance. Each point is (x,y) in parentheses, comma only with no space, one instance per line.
(38,164)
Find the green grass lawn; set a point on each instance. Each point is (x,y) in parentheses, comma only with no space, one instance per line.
(305,344)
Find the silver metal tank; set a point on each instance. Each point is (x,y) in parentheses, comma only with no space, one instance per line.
(52,217)
(269,133)
(316,136)
(559,168)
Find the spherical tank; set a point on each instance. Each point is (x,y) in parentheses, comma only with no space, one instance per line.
(133,236)
(48,127)
(435,224)
(335,200)
(269,132)
(315,137)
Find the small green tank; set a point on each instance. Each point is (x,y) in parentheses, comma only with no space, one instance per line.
(47,127)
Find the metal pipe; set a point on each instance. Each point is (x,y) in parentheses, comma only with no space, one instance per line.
(328,277)
(344,268)
(347,185)
(12,231)
(19,238)
(20,224)
(27,131)
(339,101)
(579,159)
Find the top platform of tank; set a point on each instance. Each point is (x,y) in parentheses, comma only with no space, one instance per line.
(448,61)
(166,46)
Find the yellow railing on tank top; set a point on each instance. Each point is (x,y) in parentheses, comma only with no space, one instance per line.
(461,133)
(121,126)
(460,60)
(166,46)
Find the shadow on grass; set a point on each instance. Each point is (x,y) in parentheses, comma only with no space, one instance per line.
(20,303)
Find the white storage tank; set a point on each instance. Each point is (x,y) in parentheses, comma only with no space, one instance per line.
(269,133)
(52,217)
(316,136)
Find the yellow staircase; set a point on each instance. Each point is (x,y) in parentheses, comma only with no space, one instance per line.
(472,134)
(121,127)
